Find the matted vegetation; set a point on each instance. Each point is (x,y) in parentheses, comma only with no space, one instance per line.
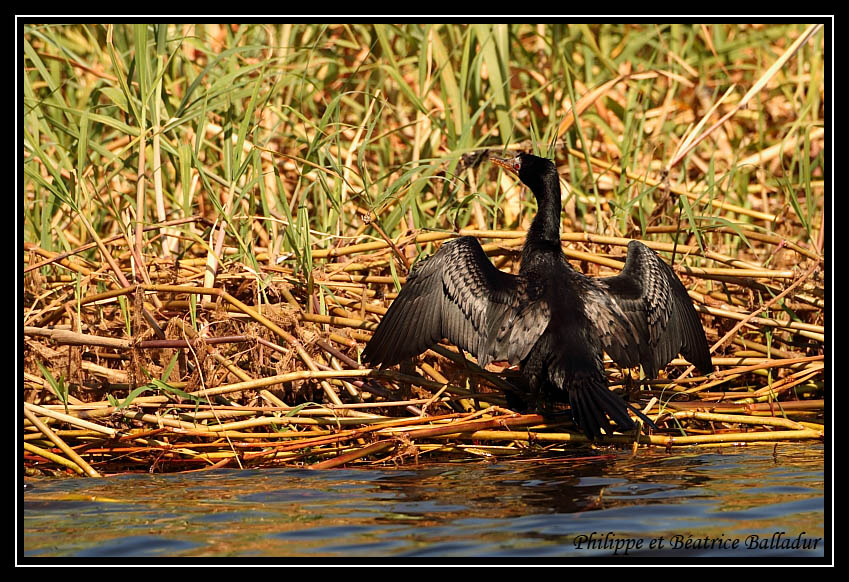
(216,216)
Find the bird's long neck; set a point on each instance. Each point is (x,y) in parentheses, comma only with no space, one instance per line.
(544,232)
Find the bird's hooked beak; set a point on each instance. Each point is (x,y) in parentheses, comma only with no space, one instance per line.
(512,165)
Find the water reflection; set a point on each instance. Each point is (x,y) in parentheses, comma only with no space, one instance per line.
(580,506)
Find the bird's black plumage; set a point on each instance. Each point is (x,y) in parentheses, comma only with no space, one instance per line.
(550,319)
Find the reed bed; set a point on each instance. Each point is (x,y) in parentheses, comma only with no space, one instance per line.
(216,217)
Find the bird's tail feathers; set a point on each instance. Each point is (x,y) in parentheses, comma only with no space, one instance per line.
(594,406)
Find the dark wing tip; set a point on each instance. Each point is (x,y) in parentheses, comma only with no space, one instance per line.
(410,325)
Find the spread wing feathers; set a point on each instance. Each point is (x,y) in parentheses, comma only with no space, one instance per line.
(459,295)
(644,315)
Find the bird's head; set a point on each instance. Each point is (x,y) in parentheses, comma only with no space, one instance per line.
(534,172)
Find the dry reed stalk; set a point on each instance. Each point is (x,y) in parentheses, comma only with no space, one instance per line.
(768,363)
(730,438)
(71,453)
(354,434)
(739,418)
(53,457)
(371,449)
(33,408)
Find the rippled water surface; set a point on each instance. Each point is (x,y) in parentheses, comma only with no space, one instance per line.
(749,502)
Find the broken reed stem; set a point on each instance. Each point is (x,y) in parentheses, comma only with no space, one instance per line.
(354,455)
(58,459)
(739,418)
(71,453)
(764,307)
(67,418)
(583,237)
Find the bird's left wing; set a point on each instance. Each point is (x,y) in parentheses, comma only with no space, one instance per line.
(644,315)
(459,295)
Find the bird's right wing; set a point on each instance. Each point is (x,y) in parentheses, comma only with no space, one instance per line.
(645,316)
(459,295)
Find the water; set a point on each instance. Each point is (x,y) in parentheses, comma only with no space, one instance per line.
(748,502)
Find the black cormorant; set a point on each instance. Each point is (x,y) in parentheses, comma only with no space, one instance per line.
(550,319)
